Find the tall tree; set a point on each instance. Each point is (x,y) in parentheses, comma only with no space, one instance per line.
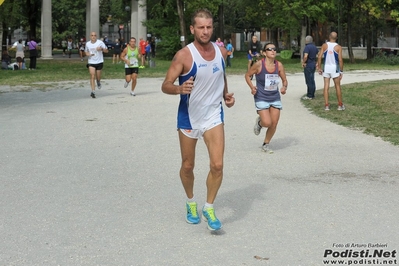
(70,20)
(32,10)
(182,23)
(9,19)
(170,19)
(370,15)
(292,13)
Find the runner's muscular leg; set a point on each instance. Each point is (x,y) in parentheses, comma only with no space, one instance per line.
(187,149)
(98,75)
(337,84)
(128,78)
(134,81)
(265,118)
(92,72)
(274,116)
(325,92)
(214,140)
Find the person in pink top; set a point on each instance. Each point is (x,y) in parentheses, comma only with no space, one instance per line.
(219,43)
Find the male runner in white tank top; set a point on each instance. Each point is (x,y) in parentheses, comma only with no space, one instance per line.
(202,87)
(333,68)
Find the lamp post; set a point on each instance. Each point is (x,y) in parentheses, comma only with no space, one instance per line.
(127,9)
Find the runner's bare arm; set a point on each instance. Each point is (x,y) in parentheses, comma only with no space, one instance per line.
(229,99)
(177,67)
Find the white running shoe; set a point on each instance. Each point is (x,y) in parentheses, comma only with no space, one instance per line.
(257,127)
(266,148)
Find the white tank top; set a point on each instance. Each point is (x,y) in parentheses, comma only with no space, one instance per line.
(331,64)
(205,101)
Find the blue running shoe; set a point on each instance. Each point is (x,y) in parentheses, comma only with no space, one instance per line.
(208,214)
(192,213)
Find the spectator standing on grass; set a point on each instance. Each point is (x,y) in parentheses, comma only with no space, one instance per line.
(20,54)
(142,45)
(94,50)
(219,42)
(64,46)
(69,46)
(123,44)
(254,47)
(117,52)
(82,48)
(266,92)
(230,50)
(333,67)
(309,66)
(148,52)
(202,87)
(131,55)
(32,45)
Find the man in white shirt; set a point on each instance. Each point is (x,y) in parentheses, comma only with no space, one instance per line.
(94,50)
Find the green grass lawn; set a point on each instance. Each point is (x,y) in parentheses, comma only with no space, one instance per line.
(371,107)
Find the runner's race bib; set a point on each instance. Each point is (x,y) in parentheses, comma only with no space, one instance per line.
(271,82)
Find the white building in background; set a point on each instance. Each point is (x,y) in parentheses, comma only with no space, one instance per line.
(18,34)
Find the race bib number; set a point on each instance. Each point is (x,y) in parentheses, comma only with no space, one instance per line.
(271,82)
(93,51)
(134,62)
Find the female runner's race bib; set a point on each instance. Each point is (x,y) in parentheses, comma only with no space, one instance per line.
(271,82)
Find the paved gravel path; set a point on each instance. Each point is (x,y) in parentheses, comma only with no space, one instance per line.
(95,181)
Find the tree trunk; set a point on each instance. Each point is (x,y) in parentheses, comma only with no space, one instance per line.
(349,38)
(183,33)
(221,22)
(274,36)
(303,36)
(1,38)
(33,7)
(369,39)
(369,45)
